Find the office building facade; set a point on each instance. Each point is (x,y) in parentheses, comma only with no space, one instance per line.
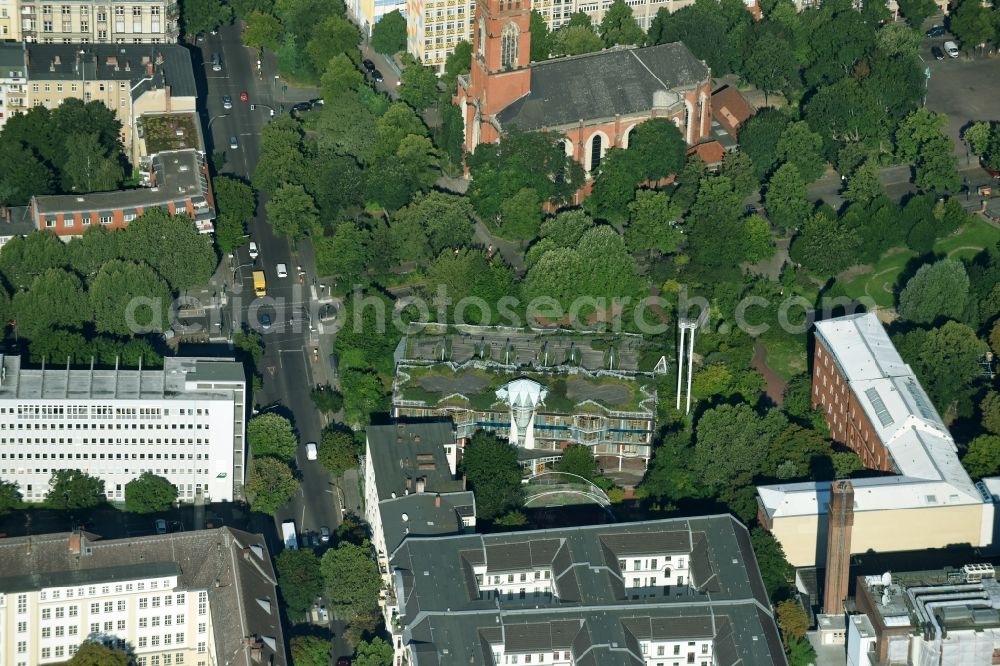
(185,422)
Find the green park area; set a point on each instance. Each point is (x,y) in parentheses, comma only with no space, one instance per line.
(880,281)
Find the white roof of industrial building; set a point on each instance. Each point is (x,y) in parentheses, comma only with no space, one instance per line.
(922,450)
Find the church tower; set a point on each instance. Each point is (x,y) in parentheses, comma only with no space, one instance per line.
(501,51)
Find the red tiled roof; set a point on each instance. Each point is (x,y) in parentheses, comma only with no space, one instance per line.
(710,152)
(730,109)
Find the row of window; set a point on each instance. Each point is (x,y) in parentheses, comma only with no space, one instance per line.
(164,659)
(27,425)
(98,411)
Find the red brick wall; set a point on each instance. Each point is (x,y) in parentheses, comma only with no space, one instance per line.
(845,416)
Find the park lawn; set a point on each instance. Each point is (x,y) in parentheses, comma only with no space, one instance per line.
(786,355)
(879,283)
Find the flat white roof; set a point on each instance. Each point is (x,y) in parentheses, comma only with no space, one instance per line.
(921,449)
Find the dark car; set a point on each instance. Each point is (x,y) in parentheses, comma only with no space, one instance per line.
(937,53)
(377,76)
(368,65)
(316,103)
(936,31)
(343,661)
(265,321)
(300,107)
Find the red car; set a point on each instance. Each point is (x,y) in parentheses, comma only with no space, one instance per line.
(244,97)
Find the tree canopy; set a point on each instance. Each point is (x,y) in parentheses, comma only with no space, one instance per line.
(73,489)
(491,468)
(351,577)
(271,434)
(389,33)
(938,290)
(271,485)
(299,578)
(149,493)
(338,450)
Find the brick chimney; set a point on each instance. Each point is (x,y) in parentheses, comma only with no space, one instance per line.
(421,484)
(437,501)
(838,546)
(407,484)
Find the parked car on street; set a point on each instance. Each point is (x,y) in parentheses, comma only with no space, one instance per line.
(368,65)
(951,48)
(253,250)
(936,31)
(377,76)
(234,143)
(227,102)
(937,53)
(324,534)
(161,526)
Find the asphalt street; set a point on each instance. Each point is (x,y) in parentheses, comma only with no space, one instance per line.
(288,361)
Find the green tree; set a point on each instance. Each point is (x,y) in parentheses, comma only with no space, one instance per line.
(759,138)
(824,246)
(898,40)
(340,79)
(520,215)
(972,23)
(327,399)
(575,40)
(611,270)
(236,204)
(251,343)
(22,174)
(733,441)
(864,185)
(792,620)
(738,168)
(917,11)
(351,251)
(978,136)
(351,577)
(716,234)
(937,167)
(418,84)
(283,155)
(620,27)
(936,290)
(774,568)
(982,458)
(95,653)
(389,33)
(802,147)
(73,489)
(89,166)
(271,434)
(292,212)
(771,65)
(262,31)
(557,274)
(10,496)
(129,298)
(338,450)
(149,493)
(271,485)
(990,409)
(579,460)
(659,148)
(309,650)
(470,273)
(335,36)
(760,246)
(200,16)
(491,468)
(172,247)
(614,186)
(950,359)
(364,395)
(375,652)
(299,578)
(56,299)
(652,223)
(460,60)
(25,258)
(541,38)
(786,199)
(431,223)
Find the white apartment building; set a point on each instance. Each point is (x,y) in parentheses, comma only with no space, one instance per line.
(96,21)
(185,422)
(188,599)
(13,82)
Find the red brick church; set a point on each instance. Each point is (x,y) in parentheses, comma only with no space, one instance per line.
(593,100)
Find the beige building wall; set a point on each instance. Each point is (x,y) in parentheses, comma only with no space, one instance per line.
(9,23)
(885,531)
(117,96)
(97,21)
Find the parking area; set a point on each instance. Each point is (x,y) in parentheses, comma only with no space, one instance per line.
(964,88)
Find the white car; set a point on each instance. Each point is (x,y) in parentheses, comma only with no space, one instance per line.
(951,48)
(253,250)
(311,451)
(282,271)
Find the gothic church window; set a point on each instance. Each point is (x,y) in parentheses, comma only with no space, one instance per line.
(508,46)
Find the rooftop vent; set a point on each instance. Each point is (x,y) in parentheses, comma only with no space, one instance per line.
(264,603)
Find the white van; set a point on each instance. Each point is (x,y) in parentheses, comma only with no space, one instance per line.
(311,451)
(253,250)
(282,271)
(951,48)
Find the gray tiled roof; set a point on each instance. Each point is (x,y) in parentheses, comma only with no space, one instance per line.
(591,614)
(115,62)
(232,566)
(423,516)
(601,85)
(402,451)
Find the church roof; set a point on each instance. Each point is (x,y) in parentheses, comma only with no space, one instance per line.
(601,85)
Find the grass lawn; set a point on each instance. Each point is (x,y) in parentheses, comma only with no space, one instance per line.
(879,283)
(786,355)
